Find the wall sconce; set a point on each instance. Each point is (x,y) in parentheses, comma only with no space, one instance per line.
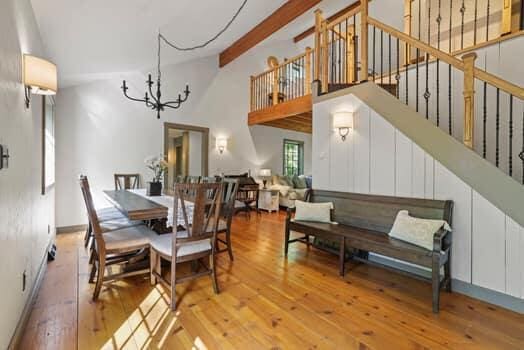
(343,122)
(40,77)
(221,144)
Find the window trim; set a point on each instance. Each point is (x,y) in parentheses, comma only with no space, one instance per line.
(300,144)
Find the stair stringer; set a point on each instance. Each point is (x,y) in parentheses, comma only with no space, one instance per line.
(487,180)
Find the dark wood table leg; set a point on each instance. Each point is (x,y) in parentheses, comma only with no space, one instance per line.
(342,256)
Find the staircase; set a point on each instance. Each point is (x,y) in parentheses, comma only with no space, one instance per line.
(481,110)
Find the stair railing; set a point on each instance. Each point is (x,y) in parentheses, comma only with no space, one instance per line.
(425,86)
(287,81)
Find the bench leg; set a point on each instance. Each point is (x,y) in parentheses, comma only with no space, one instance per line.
(286,244)
(447,273)
(435,272)
(342,256)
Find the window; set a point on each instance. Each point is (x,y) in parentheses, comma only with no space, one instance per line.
(293,157)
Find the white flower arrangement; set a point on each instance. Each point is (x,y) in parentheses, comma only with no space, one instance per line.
(158,165)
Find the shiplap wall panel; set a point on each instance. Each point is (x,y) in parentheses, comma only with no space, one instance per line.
(448,186)
(382,156)
(404,165)
(339,163)
(320,161)
(419,171)
(488,245)
(513,258)
(361,139)
(379,159)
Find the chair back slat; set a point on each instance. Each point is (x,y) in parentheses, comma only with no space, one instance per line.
(205,198)
(91,211)
(127,181)
(229,195)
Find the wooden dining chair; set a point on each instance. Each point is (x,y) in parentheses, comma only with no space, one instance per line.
(193,179)
(247,199)
(227,211)
(195,242)
(210,179)
(117,246)
(127,181)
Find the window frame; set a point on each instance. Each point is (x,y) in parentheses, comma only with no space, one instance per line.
(300,160)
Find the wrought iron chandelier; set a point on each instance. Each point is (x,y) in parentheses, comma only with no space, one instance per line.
(153,99)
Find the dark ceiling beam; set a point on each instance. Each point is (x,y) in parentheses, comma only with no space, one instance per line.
(311,30)
(278,19)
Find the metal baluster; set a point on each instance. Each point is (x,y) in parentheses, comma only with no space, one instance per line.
(450,113)
(381,55)
(484,121)
(340,53)
(510,135)
(462,11)
(439,19)
(487,21)
(427,94)
(475,24)
(407,83)
(333,54)
(374,31)
(416,72)
(521,154)
(497,151)
(389,58)
(397,76)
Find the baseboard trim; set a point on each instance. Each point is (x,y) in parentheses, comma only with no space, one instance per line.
(24,318)
(489,296)
(70,229)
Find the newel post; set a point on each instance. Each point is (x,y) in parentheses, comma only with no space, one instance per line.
(364,39)
(318,24)
(469,97)
(506,17)
(308,71)
(325,57)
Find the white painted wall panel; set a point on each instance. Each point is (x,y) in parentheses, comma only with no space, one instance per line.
(448,186)
(404,165)
(419,172)
(429,184)
(339,174)
(488,245)
(362,150)
(320,152)
(513,258)
(382,156)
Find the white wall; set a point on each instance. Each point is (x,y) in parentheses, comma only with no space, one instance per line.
(99,132)
(488,246)
(24,213)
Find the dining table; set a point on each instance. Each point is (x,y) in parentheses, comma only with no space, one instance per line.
(135,204)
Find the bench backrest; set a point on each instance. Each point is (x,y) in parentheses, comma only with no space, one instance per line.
(378,213)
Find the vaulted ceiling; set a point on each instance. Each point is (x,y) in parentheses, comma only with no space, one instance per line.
(97,39)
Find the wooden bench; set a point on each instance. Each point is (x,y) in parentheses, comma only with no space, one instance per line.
(364,222)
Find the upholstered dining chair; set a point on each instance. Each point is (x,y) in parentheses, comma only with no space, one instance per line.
(227,211)
(114,245)
(127,181)
(195,242)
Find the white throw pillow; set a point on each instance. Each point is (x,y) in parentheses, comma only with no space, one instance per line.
(415,230)
(318,212)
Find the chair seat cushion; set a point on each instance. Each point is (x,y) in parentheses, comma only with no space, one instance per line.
(129,238)
(163,245)
(117,224)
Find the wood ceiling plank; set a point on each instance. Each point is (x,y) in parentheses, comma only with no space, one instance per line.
(278,19)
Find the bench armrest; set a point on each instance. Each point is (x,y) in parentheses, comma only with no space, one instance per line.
(441,240)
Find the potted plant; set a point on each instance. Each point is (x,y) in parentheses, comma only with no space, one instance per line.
(158,166)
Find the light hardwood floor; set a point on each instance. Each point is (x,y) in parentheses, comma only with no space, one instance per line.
(266,302)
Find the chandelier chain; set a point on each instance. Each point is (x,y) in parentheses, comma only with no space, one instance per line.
(200,46)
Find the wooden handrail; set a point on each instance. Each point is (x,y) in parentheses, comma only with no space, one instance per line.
(345,16)
(286,62)
(480,74)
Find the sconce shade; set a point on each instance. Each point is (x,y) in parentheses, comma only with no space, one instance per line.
(265,173)
(343,120)
(40,75)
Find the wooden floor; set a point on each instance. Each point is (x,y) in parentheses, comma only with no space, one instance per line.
(266,302)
